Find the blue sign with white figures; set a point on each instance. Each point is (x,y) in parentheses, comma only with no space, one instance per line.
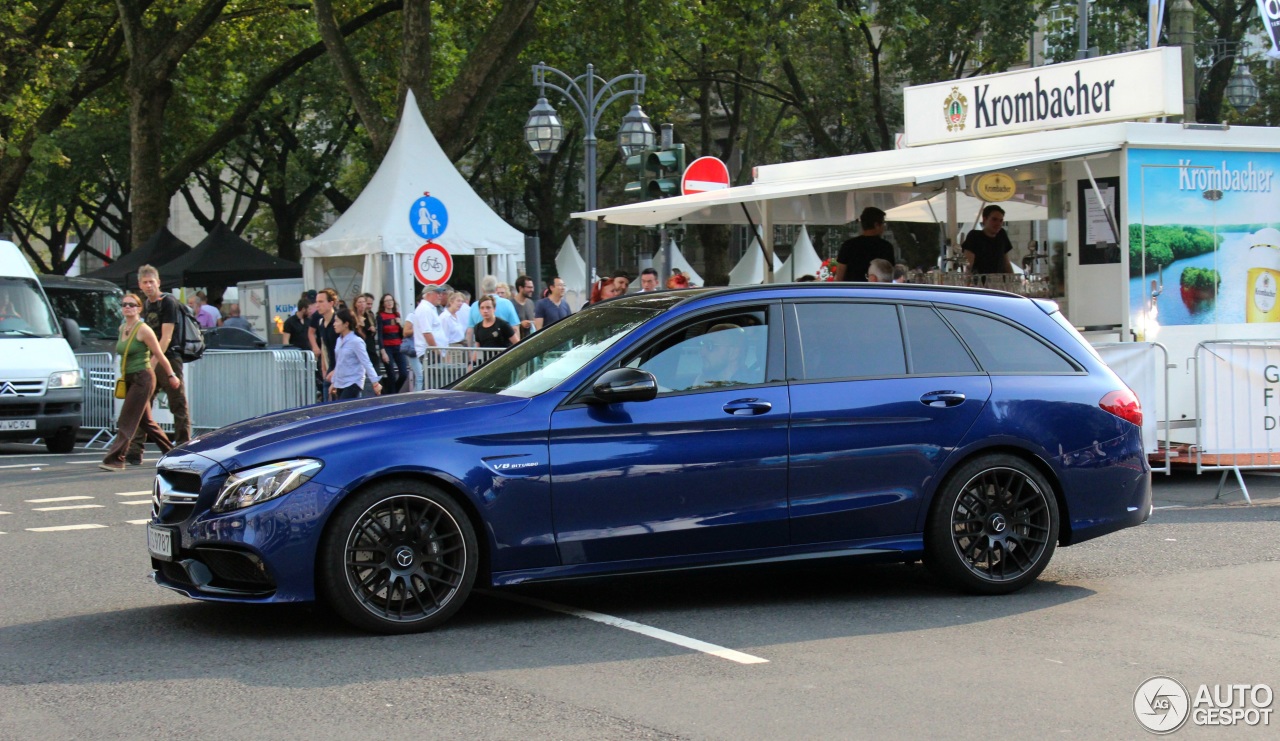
(428,217)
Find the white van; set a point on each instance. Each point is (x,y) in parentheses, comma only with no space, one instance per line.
(40,385)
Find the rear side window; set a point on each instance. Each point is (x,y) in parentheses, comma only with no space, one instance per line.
(1003,348)
(934,347)
(849,340)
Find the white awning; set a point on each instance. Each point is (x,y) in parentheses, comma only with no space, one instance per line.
(823,191)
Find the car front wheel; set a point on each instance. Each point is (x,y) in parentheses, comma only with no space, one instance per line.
(398,557)
(993,526)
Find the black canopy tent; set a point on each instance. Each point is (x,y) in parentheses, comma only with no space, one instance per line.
(224,259)
(163,247)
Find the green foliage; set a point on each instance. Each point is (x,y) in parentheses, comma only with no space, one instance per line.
(1203,280)
(1165,244)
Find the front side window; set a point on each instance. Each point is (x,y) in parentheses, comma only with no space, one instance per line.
(23,311)
(549,357)
(721,351)
(97,313)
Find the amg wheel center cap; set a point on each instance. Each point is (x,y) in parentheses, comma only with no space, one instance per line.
(404,557)
(998,523)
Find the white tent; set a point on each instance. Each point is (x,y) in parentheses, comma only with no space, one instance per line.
(678,261)
(968,208)
(804,259)
(375,238)
(750,269)
(572,269)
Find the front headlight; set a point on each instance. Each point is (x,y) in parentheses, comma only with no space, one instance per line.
(65,380)
(255,485)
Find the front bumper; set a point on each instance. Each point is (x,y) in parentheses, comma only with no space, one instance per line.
(263,553)
(53,410)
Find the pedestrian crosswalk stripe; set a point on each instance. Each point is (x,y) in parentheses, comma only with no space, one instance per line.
(138,501)
(143,493)
(70,506)
(63,527)
(138,522)
(55,499)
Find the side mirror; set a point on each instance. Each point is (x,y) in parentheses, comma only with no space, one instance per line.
(625,384)
(71,331)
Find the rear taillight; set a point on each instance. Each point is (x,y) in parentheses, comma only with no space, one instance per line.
(1124,404)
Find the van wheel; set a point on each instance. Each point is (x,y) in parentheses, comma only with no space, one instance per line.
(993,526)
(398,557)
(62,441)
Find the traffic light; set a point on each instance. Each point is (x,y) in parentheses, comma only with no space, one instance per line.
(659,172)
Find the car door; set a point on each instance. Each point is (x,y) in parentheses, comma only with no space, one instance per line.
(881,393)
(700,469)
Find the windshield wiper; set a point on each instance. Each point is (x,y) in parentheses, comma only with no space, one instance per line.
(23,332)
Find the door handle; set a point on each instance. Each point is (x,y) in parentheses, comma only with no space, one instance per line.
(942,399)
(747,407)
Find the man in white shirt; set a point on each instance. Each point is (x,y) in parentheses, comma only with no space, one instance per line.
(425,321)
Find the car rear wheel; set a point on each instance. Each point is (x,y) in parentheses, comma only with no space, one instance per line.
(993,526)
(398,557)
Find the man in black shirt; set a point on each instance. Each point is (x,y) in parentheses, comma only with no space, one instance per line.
(162,314)
(987,249)
(295,327)
(323,338)
(856,254)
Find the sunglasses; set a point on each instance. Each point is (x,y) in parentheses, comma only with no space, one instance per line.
(130,303)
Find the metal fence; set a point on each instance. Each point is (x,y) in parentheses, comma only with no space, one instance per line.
(226,386)
(98,411)
(444,366)
(1237,407)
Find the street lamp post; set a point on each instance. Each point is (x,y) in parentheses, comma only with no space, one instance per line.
(590,95)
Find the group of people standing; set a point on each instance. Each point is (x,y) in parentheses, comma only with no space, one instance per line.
(870,257)
(398,346)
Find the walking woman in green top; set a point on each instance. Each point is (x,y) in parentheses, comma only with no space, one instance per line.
(140,354)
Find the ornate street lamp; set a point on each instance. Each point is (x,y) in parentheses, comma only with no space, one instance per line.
(1242,91)
(544,133)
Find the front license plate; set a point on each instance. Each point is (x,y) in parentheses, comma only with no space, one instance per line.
(17,424)
(160,542)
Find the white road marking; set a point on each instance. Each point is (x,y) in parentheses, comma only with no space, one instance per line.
(138,522)
(32,466)
(1171,506)
(69,506)
(145,492)
(646,630)
(55,499)
(6,513)
(62,527)
(46,456)
(137,501)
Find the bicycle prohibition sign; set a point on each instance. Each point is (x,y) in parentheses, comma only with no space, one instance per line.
(432,264)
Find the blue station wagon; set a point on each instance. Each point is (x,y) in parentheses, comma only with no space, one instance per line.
(972,429)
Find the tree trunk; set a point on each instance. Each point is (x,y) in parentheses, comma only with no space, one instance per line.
(149,201)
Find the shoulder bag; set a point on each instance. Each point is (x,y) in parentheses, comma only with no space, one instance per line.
(124,359)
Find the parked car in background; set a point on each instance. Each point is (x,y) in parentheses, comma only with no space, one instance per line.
(972,429)
(232,338)
(93,304)
(41,389)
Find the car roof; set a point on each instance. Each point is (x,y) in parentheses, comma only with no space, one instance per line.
(662,300)
(78,283)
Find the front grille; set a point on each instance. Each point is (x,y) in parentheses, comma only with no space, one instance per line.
(21,388)
(169,504)
(184,481)
(235,569)
(67,408)
(19,410)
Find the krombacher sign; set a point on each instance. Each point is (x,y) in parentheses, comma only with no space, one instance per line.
(1121,87)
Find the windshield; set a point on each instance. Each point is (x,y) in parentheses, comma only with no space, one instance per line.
(23,311)
(552,355)
(97,312)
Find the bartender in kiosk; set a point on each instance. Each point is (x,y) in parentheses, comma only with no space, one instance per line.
(987,249)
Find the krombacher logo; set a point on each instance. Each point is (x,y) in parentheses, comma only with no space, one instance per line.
(1080,98)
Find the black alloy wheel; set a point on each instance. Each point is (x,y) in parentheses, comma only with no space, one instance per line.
(993,526)
(399,557)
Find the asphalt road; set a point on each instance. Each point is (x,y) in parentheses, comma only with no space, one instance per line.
(91,649)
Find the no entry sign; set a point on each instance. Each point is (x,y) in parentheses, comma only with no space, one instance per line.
(432,264)
(703,174)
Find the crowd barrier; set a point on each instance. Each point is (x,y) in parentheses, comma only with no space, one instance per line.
(226,386)
(1237,407)
(1144,367)
(444,366)
(98,411)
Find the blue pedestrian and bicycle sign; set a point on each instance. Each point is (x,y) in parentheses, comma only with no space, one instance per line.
(428,217)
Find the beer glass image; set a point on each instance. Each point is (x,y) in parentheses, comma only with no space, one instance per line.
(1264,276)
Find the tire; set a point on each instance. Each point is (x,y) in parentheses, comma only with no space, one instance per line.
(413,558)
(993,526)
(62,441)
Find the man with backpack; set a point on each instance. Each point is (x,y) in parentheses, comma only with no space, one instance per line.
(164,314)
